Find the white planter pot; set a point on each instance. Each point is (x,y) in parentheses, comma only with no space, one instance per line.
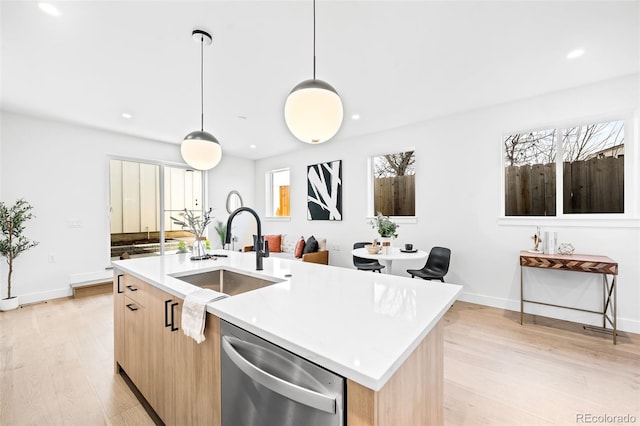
(9,304)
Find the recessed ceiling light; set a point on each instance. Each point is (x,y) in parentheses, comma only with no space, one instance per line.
(355,116)
(575,53)
(252,146)
(49,8)
(127,115)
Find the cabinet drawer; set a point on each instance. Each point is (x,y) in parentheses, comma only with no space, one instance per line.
(135,289)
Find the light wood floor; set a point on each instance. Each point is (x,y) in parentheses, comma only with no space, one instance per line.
(56,368)
(546,371)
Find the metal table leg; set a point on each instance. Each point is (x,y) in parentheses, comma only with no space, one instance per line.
(521,292)
(614,308)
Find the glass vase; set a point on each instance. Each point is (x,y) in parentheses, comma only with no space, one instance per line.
(200,249)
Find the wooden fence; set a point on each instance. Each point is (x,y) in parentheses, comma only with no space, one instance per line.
(590,186)
(395,196)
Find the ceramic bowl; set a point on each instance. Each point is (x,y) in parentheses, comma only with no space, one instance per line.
(372,249)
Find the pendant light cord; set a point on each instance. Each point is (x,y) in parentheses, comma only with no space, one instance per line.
(314,39)
(201,83)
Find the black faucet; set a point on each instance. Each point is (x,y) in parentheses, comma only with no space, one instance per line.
(258,244)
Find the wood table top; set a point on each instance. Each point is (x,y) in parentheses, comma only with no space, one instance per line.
(570,262)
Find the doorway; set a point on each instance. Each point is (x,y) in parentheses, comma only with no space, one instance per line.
(143,197)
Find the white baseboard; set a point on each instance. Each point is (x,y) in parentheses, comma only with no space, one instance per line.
(495,302)
(90,278)
(624,324)
(45,295)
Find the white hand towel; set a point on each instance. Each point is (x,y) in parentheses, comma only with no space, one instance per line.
(194,312)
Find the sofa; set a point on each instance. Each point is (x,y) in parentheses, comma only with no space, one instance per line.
(284,246)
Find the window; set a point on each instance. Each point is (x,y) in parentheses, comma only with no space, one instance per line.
(277,194)
(530,174)
(136,210)
(392,184)
(580,168)
(593,168)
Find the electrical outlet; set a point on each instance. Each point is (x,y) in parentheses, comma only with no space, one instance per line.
(75,224)
(51,258)
(335,247)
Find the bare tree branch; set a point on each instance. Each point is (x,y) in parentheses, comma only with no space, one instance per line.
(398,164)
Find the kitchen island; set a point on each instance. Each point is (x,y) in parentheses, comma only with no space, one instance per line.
(382,333)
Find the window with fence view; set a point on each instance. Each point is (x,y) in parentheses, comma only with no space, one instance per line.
(277,197)
(394,177)
(590,159)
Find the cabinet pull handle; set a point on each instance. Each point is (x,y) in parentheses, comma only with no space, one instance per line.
(132,307)
(132,288)
(119,276)
(166,313)
(173,325)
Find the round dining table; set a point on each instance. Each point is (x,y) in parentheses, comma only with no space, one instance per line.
(393,253)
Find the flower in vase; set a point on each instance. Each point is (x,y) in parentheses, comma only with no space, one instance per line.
(194,224)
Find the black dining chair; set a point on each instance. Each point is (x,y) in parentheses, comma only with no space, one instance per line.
(436,267)
(363,264)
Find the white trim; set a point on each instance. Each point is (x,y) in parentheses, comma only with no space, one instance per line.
(45,295)
(623,324)
(586,222)
(151,161)
(276,219)
(77,280)
(396,219)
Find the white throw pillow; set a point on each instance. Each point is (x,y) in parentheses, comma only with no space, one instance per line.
(322,243)
(288,243)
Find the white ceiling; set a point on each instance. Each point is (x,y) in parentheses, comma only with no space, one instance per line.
(392,62)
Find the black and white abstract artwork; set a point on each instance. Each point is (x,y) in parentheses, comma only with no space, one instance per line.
(324,191)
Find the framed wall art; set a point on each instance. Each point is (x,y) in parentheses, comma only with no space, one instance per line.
(324,191)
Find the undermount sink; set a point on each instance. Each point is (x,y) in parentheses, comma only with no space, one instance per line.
(227,282)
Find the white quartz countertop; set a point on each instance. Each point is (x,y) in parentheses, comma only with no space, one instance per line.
(361,325)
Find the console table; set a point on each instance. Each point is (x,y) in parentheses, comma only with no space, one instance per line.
(602,265)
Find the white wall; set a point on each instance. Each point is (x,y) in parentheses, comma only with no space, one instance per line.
(232,174)
(458,186)
(63,171)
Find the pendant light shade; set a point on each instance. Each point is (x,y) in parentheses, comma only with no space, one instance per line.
(313,110)
(200,149)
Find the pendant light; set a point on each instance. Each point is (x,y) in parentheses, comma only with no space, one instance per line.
(313,110)
(200,149)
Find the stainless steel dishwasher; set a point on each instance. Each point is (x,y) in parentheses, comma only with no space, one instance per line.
(263,384)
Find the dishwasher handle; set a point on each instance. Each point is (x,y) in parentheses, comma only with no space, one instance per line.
(289,390)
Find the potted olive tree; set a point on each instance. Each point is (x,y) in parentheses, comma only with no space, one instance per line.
(13,242)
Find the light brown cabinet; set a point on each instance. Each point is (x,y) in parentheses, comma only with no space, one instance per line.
(131,325)
(118,320)
(191,372)
(136,349)
(179,378)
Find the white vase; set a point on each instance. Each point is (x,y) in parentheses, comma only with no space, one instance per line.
(386,243)
(387,240)
(9,304)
